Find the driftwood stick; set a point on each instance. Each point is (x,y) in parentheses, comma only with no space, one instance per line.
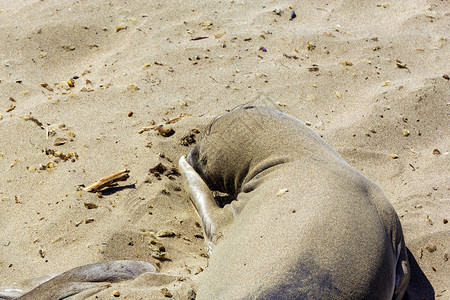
(108,180)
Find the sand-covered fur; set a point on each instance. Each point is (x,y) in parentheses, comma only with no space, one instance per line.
(305,224)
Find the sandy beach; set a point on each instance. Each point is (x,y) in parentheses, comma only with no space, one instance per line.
(84,86)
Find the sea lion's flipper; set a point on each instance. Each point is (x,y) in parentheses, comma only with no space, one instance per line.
(18,289)
(88,280)
(212,216)
(402,272)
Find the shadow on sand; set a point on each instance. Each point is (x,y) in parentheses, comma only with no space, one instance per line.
(419,287)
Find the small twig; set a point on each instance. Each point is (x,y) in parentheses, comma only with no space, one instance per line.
(199,38)
(108,180)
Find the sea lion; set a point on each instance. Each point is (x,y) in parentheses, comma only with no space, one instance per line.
(83,281)
(304,223)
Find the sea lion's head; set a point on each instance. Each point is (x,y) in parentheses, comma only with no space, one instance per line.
(237,141)
(224,154)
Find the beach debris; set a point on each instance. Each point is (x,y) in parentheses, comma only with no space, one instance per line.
(313,68)
(116,293)
(59,141)
(165,233)
(445,76)
(132,87)
(49,165)
(90,205)
(386,83)
(281,192)
(71,82)
(280,104)
(199,38)
(165,291)
(46,86)
(346,63)
(158,170)
(145,129)
(161,169)
(68,47)
(400,65)
(190,138)
(436,152)
(41,253)
(405,132)
(429,221)
(164,131)
(1,116)
(219,35)
(108,181)
(293,16)
(32,119)
(191,295)
(310,47)
(10,108)
(290,56)
(65,157)
(174,120)
(430,14)
(159,255)
(430,247)
(183,103)
(394,156)
(121,27)
(277,11)
(13,163)
(338,95)
(206,23)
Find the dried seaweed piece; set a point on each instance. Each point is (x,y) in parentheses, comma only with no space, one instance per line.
(108,181)
(313,68)
(59,141)
(290,56)
(46,86)
(90,205)
(32,119)
(10,108)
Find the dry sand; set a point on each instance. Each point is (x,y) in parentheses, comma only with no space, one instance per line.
(370,76)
